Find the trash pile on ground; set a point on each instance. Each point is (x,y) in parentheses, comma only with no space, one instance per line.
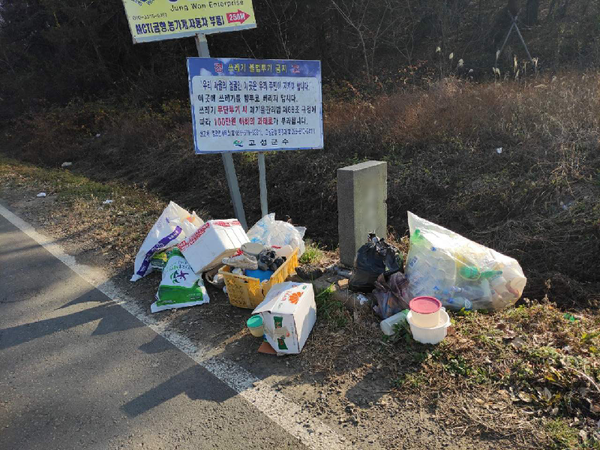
(444,272)
(206,248)
(278,234)
(247,266)
(373,259)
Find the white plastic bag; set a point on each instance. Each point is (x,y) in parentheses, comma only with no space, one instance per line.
(276,233)
(171,228)
(180,286)
(459,272)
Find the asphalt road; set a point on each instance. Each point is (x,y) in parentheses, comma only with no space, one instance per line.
(77,371)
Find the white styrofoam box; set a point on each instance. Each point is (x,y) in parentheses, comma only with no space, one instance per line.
(215,240)
(289,313)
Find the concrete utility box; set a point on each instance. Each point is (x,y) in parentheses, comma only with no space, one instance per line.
(362,206)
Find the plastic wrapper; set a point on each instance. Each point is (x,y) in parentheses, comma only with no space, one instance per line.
(459,272)
(276,233)
(159,261)
(171,228)
(392,294)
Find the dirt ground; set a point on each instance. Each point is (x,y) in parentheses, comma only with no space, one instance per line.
(378,393)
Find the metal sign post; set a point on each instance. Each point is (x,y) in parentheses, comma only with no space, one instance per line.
(232,181)
(262,173)
(251,105)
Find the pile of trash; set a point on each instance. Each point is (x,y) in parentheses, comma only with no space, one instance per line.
(444,271)
(252,268)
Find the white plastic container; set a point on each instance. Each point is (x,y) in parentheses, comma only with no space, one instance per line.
(387,325)
(425,311)
(433,335)
(255,325)
(285,251)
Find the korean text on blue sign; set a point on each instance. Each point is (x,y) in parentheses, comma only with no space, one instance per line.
(255,105)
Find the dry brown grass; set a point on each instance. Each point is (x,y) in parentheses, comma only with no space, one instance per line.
(560,110)
(537,201)
(527,377)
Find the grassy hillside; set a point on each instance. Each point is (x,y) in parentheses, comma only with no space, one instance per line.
(514,165)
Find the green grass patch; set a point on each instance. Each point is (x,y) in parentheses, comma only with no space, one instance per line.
(70,187)
(330,310)
(64,183)
(562,435)
(410,380)
(312,255)
(458,366)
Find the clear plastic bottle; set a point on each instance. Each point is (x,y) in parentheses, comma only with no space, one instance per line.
(428,269)
(444,267)
(468,296)
(416,267)
(387,325)
(484,298)
(477,291)
(457,303)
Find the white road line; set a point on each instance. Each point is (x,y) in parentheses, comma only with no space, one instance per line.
(284,412)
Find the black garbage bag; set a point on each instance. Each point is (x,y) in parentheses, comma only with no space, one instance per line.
(372,259)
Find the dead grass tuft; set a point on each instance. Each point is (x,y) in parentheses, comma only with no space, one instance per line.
(513,165)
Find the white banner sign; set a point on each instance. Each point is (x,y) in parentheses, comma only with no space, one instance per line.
(249,105)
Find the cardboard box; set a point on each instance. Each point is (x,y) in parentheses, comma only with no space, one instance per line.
(215,240)
(289,313)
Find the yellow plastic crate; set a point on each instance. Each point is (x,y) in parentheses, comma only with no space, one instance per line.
(247,292)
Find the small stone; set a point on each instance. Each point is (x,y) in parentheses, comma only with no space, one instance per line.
(517,342)
(343,284)
(309,272)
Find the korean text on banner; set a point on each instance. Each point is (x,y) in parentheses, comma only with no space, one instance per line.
(241,105)
(156,20)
